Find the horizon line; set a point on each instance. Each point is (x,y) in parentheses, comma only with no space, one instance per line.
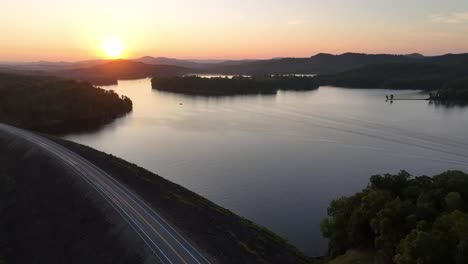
(221,59)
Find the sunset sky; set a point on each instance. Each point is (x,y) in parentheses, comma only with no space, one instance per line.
(229,29)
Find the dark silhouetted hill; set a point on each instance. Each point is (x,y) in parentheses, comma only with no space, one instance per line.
(321,63)
(170,61)
(47,66)
(57,105)
(110,72)
(430,73)
(415,56)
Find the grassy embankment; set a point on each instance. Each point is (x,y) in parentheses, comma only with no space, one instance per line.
(219,232)
(48,215)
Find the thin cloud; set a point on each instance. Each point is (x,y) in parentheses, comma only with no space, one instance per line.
(453,18)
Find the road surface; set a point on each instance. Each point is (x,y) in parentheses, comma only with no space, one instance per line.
(165,242)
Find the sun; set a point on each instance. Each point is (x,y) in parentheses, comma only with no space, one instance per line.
(113,48)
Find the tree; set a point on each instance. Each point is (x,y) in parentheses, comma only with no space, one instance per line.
(404,219)
(453,201)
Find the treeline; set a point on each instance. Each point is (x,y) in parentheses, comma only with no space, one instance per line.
(449,84)
(57,105)
(454,92)
(45,217)
(267,84)
(446,75)
(404,219)
(421,76)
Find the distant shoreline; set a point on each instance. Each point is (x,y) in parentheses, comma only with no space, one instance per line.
(237,85)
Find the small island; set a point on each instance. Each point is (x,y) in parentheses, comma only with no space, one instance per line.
(238,85)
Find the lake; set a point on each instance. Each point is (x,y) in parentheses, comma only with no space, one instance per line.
(280,159)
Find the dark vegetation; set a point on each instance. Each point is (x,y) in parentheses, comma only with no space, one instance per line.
(194,85)
(109,72)
(393,76)
(454,92)
(321,63)
(45,217)
(446,74)
(404,219)
(224,235)
(56,105)
(171,61)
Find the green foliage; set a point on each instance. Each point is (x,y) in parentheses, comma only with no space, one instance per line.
(453,201)
(445,242)
(52,104)
(404,219)
(237,85)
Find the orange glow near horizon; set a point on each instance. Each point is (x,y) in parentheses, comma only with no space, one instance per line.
(220,29)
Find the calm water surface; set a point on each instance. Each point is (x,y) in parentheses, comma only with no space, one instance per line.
(279,160)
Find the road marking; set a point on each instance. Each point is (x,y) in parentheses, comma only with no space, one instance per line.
(103,190)
(136,200)
(157,232)
(130,195)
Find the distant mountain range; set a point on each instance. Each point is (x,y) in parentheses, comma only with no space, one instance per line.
(107,72)
(322,63)
(193,64)
(110,71)
(429,73)
(48,66)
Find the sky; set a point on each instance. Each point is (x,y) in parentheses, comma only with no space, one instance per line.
(57,30)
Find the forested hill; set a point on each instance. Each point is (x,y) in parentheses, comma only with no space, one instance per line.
(109,72)
(447,74)
(57,105)
(425,74)
(321,63)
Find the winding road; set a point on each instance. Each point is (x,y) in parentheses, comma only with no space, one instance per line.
(169,246)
